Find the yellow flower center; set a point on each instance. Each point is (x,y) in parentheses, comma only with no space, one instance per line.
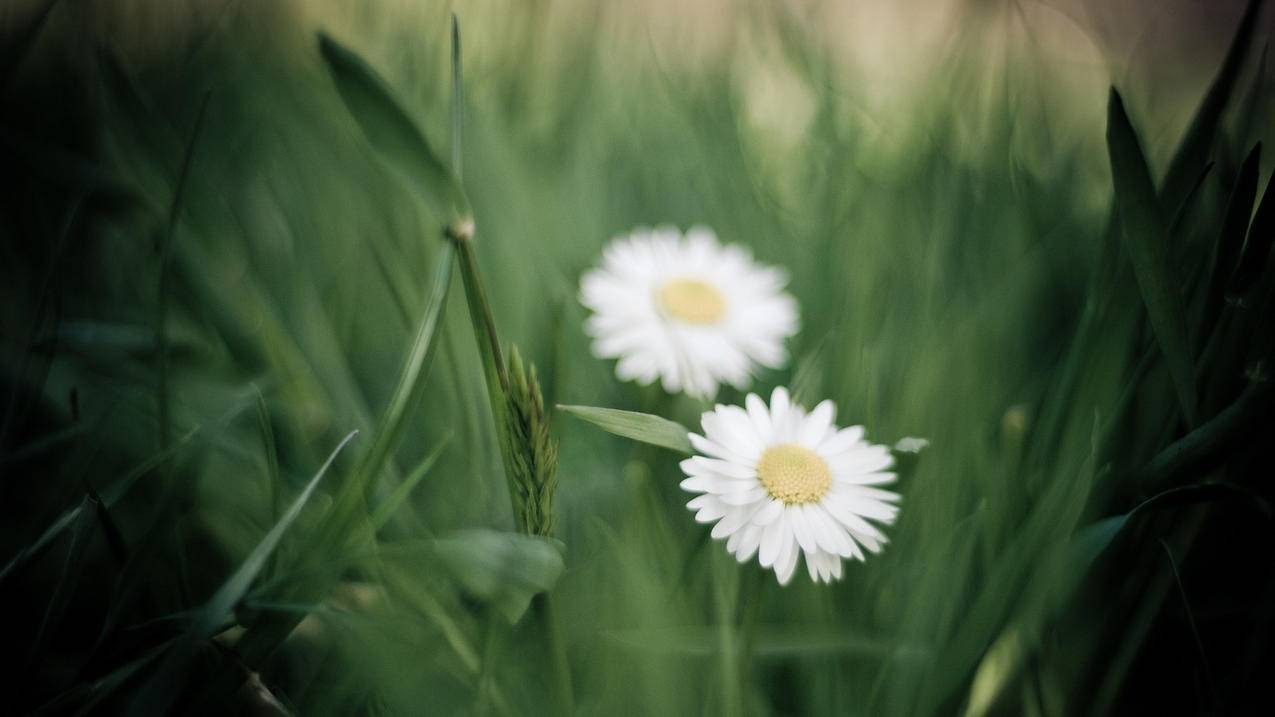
(692,301)
(793,474)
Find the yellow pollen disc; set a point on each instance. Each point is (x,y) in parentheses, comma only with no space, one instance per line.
(692,301)
(793,474)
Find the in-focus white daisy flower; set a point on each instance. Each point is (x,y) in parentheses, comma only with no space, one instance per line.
(687,310)
(780,482)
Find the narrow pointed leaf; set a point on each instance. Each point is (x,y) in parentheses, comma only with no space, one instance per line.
(637,426)
(1193,152)
(392,132)
(390,505)
(1231,240)
(1260,235)
(72,568)
(1145,238)
(223,602)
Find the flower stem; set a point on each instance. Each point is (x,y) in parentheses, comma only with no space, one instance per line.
(560,669)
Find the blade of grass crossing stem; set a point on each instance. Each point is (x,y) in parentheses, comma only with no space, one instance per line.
(407,394)
(1145,240)
(392,133)
(642,427)
(387,508)
(1230,241)
(1193,152)
(223,602)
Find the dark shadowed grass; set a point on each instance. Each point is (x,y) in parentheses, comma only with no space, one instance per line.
(1079,321)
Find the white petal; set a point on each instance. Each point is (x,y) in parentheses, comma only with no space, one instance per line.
(815,428)
(715,450)
(750,539)
(734,519)
(772,541)
(699,465)
(760,416)
(800,528)
(786,566)
(841,441)
(768,513)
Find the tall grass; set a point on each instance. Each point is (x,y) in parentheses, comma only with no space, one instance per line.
(214,272)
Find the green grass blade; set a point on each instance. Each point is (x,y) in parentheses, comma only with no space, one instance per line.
(1195,452)
(1260,235)
(163,397)
(641,427)
(1231,239)
(223,602)
(1193,152)
(109,498)
(392,133)
(391,504)
(1145,240)
(272,468)
(411,385)
(72,568)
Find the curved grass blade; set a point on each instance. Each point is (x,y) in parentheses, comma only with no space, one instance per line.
(390,505)
(109,497)
(392,133)
(163,395)
(1260,235)
(72,567)
(1230,242)
(411,385)
(1145,238)
(641,427)
(1193,152)
(223,602)
(1196,451)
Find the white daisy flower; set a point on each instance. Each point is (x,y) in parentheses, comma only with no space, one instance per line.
(778,481)
(687,310)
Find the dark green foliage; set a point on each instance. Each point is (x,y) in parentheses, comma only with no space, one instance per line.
(225,246)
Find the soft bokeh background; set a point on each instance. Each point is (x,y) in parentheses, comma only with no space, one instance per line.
(935,177)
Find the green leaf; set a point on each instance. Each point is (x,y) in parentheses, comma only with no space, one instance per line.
(1231,240)
(1260,235)
(109,498)
(1198,451)
(636,426)
(1145,240)
(387,508)
(393,134)
(72,568)
(500,568)
(407,393)
(223,602)
(1193,152)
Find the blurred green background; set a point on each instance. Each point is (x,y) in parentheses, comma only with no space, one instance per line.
(210,278)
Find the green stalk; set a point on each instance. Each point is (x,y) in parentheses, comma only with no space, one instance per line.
(496,378)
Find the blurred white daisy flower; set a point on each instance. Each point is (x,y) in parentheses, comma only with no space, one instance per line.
(780,482)
(687,310)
